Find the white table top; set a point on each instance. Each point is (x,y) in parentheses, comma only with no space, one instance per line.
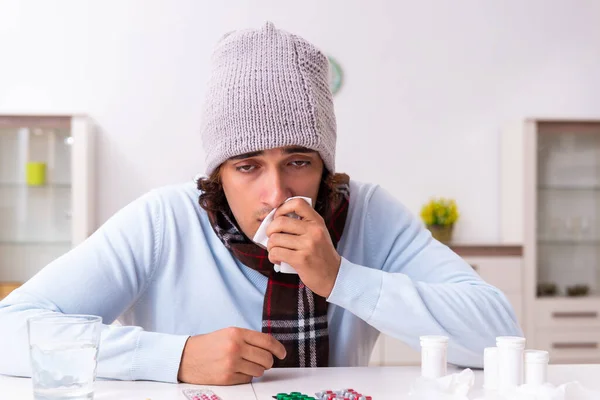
(392,383)
(20,389)
(383,383)
(378,382)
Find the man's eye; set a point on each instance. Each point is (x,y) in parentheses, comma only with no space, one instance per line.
(244,168)
(300,163)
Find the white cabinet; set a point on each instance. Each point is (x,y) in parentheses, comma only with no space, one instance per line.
(46,191)
(550,202)
(500,266)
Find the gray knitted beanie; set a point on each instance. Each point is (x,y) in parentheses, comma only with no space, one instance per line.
(268,88)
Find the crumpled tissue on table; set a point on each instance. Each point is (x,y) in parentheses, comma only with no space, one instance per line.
(261,238)
(450,387)
(567,391)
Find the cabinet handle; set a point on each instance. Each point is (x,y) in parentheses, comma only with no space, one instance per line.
(575,314)
(590,345)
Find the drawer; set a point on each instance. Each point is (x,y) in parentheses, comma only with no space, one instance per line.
(570,346)
(505,273)
(567,313)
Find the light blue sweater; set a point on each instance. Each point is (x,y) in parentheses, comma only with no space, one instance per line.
(159,268)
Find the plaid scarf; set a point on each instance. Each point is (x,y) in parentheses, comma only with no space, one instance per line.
(292,313)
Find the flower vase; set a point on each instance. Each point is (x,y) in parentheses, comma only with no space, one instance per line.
(442,233)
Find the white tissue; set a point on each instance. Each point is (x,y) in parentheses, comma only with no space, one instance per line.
(574,390)
(449,387)
(567,391)
(261,238)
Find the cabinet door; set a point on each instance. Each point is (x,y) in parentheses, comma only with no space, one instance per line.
(505,273)
(567,184)
(46,197)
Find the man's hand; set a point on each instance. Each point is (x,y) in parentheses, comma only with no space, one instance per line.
(304,244)
(228,356)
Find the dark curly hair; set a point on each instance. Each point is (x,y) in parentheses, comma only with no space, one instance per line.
(213,197)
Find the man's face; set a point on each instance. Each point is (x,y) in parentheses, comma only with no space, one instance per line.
(256,183)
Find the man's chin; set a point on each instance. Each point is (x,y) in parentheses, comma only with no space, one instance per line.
(251,232)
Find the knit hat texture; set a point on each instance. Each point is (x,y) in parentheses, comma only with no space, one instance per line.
(268,88)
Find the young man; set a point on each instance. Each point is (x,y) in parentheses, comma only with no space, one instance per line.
(200,302)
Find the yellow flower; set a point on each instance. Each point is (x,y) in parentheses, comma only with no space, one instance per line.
(441,211)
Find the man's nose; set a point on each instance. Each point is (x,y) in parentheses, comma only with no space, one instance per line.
(276,190)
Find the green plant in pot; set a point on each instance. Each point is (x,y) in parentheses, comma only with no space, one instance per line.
(578,290)
(547,289)
(440,215)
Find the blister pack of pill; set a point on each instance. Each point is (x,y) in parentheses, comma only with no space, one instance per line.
(343,394)
(200,394)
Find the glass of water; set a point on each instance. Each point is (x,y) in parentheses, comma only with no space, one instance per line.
(63,352)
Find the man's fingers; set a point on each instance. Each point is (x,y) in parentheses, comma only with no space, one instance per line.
(266,342)
(286,225)
(248,368)
(239,379)
(292,242)
(278,255)
(258,356)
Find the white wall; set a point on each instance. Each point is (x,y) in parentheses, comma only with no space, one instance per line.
(428,83)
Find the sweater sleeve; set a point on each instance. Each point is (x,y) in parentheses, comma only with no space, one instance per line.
(103,276)
(413,285)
